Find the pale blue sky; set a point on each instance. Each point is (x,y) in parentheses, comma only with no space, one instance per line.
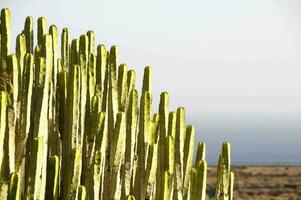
(212,56)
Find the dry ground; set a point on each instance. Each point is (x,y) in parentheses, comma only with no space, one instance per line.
(262,183)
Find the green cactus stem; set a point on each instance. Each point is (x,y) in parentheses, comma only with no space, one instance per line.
(131,129)
(163,112)
(118,147)
(101,63)
(21,51)
(99,158)
(14,187)
(5,38)
(150,172)
(169,149)
(188,157)
(41,29)
(34,182)
(167,185)
(3,124)
(200,181)
(223,185)
(112,95)
(201,152)
(76,173)
(131,78)
(179,156)
(147,80)
(28,32)
(122,87)
(91,42)
(172,119)
(142,142)
(231,186)
(91,78)
(52,185)
(65,48)
(82,194)
(130,197)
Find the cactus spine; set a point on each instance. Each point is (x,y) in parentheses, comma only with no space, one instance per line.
(71,128)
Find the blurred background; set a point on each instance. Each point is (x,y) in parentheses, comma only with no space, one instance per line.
(234,65)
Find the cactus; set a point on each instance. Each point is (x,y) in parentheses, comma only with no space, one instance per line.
(82,194)
(52,178)
(118,150)
(201,152)
(70,126)
(14,186)
(3,125)
(225,177)
(188,157)
(131,129)
(5,38)
(28,32)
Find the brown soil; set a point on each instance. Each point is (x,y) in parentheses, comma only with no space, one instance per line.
(262,183)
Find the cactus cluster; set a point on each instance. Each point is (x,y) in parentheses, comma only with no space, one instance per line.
(73,127)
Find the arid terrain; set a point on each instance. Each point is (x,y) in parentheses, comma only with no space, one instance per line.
(262,183)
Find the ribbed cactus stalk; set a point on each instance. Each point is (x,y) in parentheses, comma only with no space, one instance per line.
(142,145)
(21,51)
(162,152)
(14,186)
(188,158)
(152,161)
(131,130)
(122,87)
(118,146)
(28,32)
(201,152)
(200,181)
(224,185)
(65,48)
(41,29)
(179,154)
(3,125)
(52,184)
(71,126)
(34,182)
(73,187)
(5,38)
(167,185)
(82,193)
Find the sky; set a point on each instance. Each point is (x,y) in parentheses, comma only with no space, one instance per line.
(217,58)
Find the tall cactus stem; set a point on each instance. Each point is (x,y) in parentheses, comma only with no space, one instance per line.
(179,156)
(28,32)
(14,187)
(201,152)
(188,157)
(52,185)
(122,86)
(65,48)
(5,38)
(41,29)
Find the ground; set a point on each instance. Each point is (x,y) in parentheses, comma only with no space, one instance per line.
(262,183)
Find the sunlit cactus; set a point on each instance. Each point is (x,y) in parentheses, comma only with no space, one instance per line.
(73,125)
(225,177)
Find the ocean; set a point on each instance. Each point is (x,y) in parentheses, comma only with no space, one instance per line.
(256,139)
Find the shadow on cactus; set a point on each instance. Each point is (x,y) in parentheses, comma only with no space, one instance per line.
(73,126)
